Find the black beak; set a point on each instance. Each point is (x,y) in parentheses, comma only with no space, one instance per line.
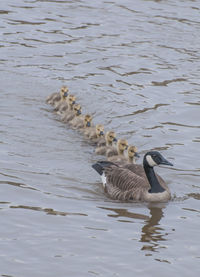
(88,124)
(65,94)
(126,147)
(101,133)
(79,112)
(73,102)
(137,155)
(165,162)
(115,140)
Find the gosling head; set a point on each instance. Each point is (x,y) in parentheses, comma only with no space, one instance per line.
(64,92)
(99,130)
(87,120)
(122,144)
(153,158)
(71,100)
(132,152)
(110,137)
(77,109)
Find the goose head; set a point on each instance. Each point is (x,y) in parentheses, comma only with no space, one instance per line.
(153,158)
(71,101)
(87,121)
(77,109)
(99,130)
(110,137)
(64,92)
(122,145)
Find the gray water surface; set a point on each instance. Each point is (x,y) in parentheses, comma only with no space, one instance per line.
(135,66)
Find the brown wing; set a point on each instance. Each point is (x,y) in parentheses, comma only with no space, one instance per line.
(123,184)
(139,170)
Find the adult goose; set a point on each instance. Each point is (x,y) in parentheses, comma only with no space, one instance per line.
(134,182)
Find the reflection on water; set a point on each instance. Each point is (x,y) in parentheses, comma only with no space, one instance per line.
(152,232)
(48,211)
(124,213)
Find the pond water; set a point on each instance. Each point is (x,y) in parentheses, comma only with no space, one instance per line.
(133,65)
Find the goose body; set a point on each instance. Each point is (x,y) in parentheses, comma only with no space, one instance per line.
(106,143)
(135,182)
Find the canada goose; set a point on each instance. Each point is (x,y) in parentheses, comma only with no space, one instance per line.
(134,182)
(95,133)
(54,98)
(76,111)
(106,143)
(122,145)
(86,124)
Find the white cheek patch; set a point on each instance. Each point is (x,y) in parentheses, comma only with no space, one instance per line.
(103,178)
(150,161)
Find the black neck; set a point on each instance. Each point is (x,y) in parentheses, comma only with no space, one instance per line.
(153,181)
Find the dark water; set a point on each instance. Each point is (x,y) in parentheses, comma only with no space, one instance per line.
(135,66)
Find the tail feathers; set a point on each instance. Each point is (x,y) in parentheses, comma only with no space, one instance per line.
(101,165)
(98,168)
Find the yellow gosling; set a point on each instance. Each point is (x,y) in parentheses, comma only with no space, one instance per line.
(105,144)
(54,98)
(112,154)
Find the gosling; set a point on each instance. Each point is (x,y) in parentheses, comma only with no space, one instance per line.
(54,98)
(129,156)
(75,112)
(87,124)
(105,144)
(95,134)
(113,154)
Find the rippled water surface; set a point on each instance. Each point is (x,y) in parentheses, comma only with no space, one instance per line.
(135,66)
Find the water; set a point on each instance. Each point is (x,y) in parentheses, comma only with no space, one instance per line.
(134,65)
